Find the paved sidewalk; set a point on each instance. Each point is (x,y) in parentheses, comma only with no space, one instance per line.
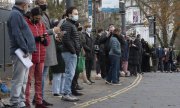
(96,90)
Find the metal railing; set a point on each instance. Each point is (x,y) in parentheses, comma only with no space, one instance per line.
(4,41)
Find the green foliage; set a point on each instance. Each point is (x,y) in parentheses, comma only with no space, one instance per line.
(56,10)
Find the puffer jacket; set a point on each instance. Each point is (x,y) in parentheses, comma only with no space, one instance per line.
(38,30)
(71,37)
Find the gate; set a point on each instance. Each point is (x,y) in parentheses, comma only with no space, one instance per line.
(4,39)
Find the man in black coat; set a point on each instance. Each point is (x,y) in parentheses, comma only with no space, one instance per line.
(134,56)
(89,51)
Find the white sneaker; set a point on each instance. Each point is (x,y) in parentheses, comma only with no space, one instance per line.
(69,98)
(107,82)
(116,83)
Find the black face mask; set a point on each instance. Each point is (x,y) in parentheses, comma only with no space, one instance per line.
(43,7)
(35,21)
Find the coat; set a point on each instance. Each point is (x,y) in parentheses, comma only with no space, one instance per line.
(19,33)
(51,57)
(89,46)
(115,46)
(38,30)
(60,67)
(71,41)
(125,54)
(134,53)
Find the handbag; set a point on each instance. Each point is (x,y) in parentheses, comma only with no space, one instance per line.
(80,63)
(4,88)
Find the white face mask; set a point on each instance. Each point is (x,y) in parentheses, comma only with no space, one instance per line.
(89,30)
(75,18)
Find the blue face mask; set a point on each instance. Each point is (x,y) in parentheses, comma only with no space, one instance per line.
(75,18)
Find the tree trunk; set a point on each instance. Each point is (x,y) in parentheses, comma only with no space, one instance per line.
(165,36)
(175,34)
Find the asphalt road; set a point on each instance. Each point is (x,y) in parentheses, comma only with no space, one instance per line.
(156,90)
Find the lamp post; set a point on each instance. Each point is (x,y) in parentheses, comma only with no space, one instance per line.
(152,28)
(94,16)
(122,11)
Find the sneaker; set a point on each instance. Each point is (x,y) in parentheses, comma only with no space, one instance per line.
(15,105)
(46,103)
(33,102)
(88,82)
(40,106)
(69,98)
(91,81)
(107,82)
(116,83)
(99,75)
(75,93)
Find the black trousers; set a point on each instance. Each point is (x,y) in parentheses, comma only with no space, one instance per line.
(133,69)
(89,65)
(75,81)
(102,65)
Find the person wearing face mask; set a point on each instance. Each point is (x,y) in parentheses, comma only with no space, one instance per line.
(71,48)
(51,57)
(100,55)
(38,57)
(114,57)
(75,85)
(89,51)
(21,38)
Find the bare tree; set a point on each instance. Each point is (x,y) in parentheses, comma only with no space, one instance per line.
(167,14)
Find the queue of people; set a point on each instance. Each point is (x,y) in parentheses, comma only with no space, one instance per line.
(62,46)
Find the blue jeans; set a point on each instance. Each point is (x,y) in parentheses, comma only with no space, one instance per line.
(113,74)
(58,83)
(70,67)
(45,73)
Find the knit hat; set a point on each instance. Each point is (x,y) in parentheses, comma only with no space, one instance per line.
(23,1)
(36,11)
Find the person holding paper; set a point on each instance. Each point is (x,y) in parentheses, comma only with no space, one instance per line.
(42,40)
(21,38)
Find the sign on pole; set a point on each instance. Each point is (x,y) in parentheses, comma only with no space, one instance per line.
(90,12)
(111,6)
(89,7)
(151,27)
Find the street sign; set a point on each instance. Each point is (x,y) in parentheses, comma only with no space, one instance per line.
(89,7)
(110,6)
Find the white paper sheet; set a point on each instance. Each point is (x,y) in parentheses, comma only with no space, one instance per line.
(26,61)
